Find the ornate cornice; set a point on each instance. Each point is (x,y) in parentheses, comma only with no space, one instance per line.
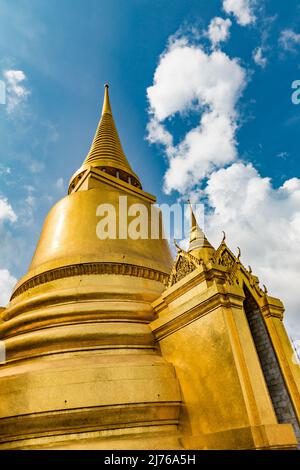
(92,269)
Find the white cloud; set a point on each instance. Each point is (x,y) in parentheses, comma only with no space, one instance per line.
(60,184)
(243,10)
(28,208)
(187,78)
(263,220)
(6,211)
(36,166)
(16,92)
(157,134)
(288,40)
(265,223)
(258,57)
(5,170)
(218,30)
(199,152)
(30,200)
(283,155)
(7,283)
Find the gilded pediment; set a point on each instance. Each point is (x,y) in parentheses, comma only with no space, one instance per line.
(184,264)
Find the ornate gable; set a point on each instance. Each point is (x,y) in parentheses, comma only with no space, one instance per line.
(236,271)
(184,264)
(226,259)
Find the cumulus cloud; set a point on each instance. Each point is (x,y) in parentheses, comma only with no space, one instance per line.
(7,283)
(243,10)
(219,30)
(157,134)
(189,79)
(16,91)
(6,211)
(258,57)
(265,223)
(289,39)
(260,218)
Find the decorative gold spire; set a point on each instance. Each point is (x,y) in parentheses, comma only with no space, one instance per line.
(199,245)
(106,108)
(106,151)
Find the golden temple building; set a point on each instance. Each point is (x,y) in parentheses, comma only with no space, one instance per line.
(112,344)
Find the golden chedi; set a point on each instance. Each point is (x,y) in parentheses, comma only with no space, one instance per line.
(110,344)
(83,369)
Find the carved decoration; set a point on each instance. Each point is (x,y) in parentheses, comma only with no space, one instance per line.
(184,267)
(235,271)
(90,269)
(226,260)
(232,274)
(224,257)
(185,263)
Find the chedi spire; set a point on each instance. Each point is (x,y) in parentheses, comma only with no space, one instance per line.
(199,245)
(106,152)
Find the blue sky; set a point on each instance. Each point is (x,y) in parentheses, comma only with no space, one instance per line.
(62,52)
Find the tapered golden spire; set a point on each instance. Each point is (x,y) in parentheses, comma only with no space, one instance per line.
(106,108)
(106,151)
(199,244)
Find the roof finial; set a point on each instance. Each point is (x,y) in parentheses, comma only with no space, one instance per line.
(198,240)
(193,218)
(106,103)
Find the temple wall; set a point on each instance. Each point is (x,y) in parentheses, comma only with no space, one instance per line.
(204,333)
